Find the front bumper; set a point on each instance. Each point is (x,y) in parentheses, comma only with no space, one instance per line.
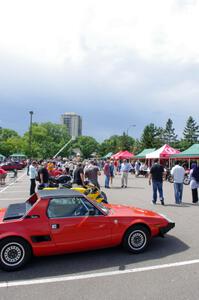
(165,229)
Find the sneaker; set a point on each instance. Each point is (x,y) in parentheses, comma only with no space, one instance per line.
(153,202)
(162,202)
(125,186)
(122,186)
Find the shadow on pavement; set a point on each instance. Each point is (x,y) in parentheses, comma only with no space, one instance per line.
(95,261)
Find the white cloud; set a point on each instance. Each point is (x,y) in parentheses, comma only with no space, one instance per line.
(57,31)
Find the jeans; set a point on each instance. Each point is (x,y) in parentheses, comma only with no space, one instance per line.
(107,179)
(157,186)
(178,189)
(32,186)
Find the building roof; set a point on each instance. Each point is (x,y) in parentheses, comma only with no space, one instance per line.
(58,193)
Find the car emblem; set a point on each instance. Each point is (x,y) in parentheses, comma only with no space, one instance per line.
(116,221)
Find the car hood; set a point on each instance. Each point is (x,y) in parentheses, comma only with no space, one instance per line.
(129,211)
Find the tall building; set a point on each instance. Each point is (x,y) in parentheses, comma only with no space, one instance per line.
(73,123)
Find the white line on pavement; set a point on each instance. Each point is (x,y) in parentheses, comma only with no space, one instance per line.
(12,183)
(95,275)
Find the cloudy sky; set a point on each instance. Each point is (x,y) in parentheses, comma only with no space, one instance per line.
(117,63)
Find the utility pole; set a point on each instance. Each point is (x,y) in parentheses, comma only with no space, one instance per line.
(30,135)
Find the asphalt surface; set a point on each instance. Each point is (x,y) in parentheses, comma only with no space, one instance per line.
(168,269)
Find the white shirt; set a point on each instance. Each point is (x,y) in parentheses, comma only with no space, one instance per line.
(32,172)
(178,174)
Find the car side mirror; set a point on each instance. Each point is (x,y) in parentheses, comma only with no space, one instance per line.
(92,211)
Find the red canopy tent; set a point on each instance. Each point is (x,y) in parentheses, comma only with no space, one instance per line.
(163,153)
(123,155)
(114,156)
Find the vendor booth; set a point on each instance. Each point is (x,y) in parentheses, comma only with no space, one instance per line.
(192,153)
(163,153)
(123,155)
(142,155)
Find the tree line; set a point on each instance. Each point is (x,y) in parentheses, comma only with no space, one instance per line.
(48,138)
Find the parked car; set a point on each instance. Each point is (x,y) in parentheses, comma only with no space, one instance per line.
(10,166)
(63,220)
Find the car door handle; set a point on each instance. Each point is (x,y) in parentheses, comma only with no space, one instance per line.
(54,226)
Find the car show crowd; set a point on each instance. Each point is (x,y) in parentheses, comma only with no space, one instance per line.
(53,172)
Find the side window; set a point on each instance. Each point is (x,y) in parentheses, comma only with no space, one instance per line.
(67,207)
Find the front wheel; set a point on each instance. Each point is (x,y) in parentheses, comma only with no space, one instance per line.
(14,253)
(136,239)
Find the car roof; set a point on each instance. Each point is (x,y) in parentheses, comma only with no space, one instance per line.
(58,193)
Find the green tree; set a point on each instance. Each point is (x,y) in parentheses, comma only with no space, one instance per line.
(116,143)
(151,136)
(169,134)
(191,132)
(47,139)
(10,141)
(87,145)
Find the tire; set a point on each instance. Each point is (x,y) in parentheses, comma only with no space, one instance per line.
(14,253)
(186,180)
(136,239)
(170,179)
(103,195)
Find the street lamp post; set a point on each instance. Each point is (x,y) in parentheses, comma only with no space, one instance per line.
(30,135)
(127,131)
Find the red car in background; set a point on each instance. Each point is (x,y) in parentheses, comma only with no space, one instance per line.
(61,221)
(10,166)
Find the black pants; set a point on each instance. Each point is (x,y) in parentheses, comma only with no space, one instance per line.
(194,195)
(32,186)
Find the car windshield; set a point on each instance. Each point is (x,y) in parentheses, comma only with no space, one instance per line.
(103,208)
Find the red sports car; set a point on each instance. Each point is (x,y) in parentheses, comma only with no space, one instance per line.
(62,221)
(12,166)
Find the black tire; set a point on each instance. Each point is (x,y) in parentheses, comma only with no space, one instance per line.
(136,239)
(103,195)
(186,180)
(170,179)
(14,253)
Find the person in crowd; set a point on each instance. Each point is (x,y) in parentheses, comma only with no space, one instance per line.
(92,172)
(43,174)
(178,173)
(78,178)
(112,168)
(137,168)
(32,174)
(3,175)
(115,167)
(194,182)
(156,174)
(50,166)
(56,171)
(125,169)
(107,173)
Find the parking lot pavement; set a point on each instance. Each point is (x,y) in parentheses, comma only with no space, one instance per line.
(179,250)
